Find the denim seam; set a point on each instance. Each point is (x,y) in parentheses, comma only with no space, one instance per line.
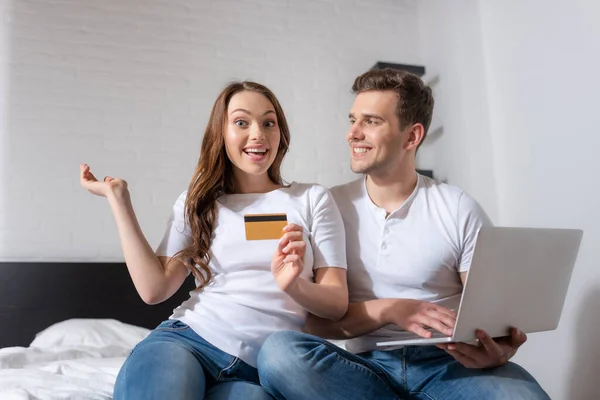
(181,329)
(403,372)
(172,329)
(230,366)
(367,371)
(359,366)
(271,393)
(422,393)
(144,344)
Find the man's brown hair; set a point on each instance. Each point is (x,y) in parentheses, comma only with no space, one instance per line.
(415,100)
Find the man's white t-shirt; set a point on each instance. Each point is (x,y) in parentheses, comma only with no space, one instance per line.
(417,252)
(242,304)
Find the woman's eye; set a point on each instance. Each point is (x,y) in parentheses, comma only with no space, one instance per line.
(241,122)
(270,124)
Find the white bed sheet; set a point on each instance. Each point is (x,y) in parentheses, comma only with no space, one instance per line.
(60,368)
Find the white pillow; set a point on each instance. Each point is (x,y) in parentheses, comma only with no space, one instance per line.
(97,333)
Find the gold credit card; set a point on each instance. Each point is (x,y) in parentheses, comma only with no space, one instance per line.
(264,226)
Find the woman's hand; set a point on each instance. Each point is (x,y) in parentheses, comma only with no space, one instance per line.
(288,261)
(110,186)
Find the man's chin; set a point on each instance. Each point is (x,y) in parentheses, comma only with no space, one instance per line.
(359,169)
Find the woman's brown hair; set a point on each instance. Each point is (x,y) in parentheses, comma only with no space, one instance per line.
(213,178)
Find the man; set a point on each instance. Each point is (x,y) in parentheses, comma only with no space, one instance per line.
(409,244)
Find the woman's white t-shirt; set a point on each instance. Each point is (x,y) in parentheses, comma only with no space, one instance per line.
(242,304)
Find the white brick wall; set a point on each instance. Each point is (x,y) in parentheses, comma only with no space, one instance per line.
(127,87)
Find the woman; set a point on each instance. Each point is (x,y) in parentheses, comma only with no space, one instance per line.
(246,289)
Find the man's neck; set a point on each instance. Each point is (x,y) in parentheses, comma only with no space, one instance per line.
(390,191)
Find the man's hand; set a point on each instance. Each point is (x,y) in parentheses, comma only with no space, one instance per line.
(490,353)
(416,316)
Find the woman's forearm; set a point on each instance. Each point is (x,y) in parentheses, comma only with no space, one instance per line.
(361,318)
(152,281)
(326,301)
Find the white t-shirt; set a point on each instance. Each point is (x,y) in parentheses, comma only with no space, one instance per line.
(416,252)
(242,304)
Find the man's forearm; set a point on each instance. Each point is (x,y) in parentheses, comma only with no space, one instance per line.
(361,318)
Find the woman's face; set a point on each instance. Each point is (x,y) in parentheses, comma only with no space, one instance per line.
(252,133)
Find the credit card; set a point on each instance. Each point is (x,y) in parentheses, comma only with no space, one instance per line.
(264,226)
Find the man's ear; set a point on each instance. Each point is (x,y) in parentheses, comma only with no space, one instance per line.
(416,134)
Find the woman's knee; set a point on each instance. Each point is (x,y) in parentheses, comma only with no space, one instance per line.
(160,369)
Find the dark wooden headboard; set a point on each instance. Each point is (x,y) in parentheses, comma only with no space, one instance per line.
(35,295)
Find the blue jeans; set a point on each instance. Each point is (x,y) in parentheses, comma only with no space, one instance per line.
(295,365)
(173,362)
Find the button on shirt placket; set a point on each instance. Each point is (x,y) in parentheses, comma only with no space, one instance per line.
(384,250)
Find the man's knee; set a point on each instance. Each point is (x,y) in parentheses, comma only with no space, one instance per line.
(509,381)
(514,389)
(282,355)
(237,390)
(513,381)
(278,349)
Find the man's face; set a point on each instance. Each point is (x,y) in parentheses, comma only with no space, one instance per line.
(374,136)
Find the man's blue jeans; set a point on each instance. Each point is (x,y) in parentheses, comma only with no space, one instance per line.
(295,365)
(173,362)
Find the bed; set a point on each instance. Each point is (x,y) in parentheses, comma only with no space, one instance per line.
(66,328)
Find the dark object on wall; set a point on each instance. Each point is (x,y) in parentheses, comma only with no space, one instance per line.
(415,69)
(35,295)
(426,172)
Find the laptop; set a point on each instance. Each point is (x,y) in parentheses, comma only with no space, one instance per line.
(518,278)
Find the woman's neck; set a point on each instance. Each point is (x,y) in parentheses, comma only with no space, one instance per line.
(246,183)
